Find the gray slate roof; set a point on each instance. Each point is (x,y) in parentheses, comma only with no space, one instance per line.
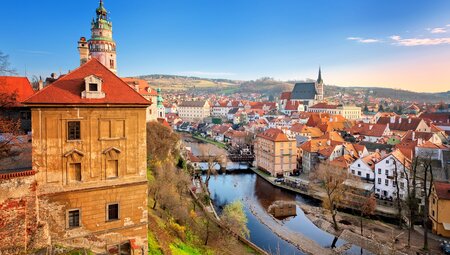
(192,104)
(304,90)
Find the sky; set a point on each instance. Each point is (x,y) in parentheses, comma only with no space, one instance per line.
(399,44)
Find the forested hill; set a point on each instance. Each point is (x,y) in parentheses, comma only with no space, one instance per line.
(273,87)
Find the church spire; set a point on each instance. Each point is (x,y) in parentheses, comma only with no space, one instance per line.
(319,78)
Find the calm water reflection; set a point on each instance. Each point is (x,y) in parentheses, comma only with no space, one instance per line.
(254,191)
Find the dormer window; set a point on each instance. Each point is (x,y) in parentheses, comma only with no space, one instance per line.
(93,87)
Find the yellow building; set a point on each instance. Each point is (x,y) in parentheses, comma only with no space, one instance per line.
(440,208)
(89,151)
(275,153)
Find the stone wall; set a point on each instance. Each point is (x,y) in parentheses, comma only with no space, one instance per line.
(20,229)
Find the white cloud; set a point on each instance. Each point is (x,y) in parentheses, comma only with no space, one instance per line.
(363,40)
(419,41)
(437,30)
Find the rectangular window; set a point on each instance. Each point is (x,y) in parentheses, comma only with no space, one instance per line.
(73,218)
(359,173)
(386,172)
(93,87)
(74,173)
(113,212)
(367,176)
(359,165)
(379,180)
(112,168)
(73,130)
(386,182)
(379,170)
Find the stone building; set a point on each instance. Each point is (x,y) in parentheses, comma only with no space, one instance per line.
(194,110)
(13,90)
(142,87)
(275,153)
(89,154)
(101,45)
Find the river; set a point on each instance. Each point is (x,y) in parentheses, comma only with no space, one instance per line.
(257,195)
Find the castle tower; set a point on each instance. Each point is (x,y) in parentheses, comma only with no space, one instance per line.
(101,45)
(160,105)
(83,49)
(319,86)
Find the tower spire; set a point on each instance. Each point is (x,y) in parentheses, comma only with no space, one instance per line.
(319,78)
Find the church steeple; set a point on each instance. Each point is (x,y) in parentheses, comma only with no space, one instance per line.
(319,78)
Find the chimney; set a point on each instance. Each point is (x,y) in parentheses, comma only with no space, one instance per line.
(392,119)
(413,135)
(399,120)
(328,142)
(370,127)
(41,83)
(409,120)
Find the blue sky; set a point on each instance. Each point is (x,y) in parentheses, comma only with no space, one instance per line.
(402,44)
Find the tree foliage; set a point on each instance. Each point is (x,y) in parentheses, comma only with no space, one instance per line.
(233,216)
(162,143)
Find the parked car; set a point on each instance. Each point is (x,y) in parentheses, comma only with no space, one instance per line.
(279,180)
(445,247)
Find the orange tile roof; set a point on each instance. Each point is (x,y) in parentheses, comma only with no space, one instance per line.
(18,85)
(67,90)
(343,161)
(274,134)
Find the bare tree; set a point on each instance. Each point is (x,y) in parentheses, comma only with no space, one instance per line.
(5,66)
(397,194)
(9,126)
(367,208)
(427,175)
(332,180)
(411,199)
(213,159)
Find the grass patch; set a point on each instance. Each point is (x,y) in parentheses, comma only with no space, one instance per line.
(153,246)
(180,248)
(211,141)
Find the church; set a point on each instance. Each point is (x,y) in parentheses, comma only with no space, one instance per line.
(304,93)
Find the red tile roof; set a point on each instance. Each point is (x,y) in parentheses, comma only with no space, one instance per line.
(292,105)
(442,190)
(67,90)
(285,96)
(144,88)
(323,106)
(18,85)
(368,129)
(401,124)
(274,134)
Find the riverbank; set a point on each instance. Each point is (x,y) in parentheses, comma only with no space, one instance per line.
(378,236)
(308,190)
